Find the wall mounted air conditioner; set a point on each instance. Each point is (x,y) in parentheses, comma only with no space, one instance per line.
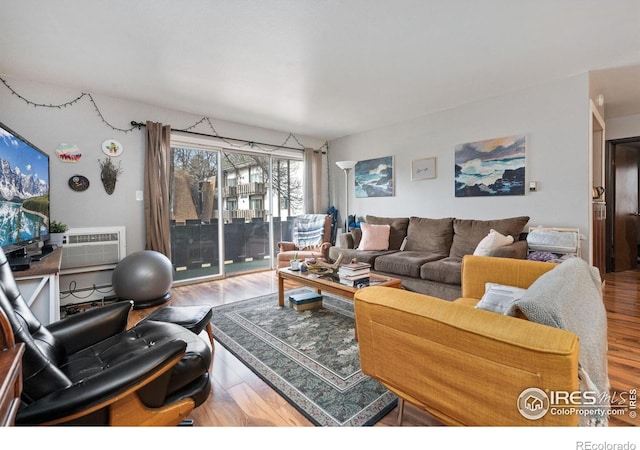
(91,249)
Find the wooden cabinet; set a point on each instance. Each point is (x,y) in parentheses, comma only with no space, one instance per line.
(10,383)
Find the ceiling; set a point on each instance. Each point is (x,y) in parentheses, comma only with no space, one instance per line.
(321,68)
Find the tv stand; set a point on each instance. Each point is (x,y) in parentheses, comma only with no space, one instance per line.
(40,287)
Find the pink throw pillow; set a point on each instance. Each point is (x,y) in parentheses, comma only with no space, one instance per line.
(374,237)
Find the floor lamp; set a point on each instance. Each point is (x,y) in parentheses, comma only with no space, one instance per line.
(346,166)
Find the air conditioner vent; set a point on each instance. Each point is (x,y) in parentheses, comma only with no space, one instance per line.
(87,238)
(86,248)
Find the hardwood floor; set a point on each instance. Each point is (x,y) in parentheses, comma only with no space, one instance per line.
(241,398)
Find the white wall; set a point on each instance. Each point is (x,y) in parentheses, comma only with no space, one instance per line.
(80,124)
(555,119)
(622,127)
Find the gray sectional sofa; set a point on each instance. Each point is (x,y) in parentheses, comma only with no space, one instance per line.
(426,254)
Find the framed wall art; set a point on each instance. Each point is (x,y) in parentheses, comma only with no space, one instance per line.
(374,177)
(490,168)
(423,169)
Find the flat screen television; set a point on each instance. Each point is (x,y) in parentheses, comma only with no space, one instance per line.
(24,192)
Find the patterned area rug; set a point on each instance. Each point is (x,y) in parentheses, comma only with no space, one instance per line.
(311,357)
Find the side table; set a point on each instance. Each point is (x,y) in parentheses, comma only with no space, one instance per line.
(10,384)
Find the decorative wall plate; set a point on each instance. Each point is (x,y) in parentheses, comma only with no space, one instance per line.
(111,147)
(68,153)
(78,183)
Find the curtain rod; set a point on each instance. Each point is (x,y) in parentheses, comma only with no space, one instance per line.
(140,124)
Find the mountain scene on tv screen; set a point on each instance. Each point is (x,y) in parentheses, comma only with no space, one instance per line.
(24,205)
(16,186)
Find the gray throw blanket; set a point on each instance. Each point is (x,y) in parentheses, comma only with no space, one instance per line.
(570,297)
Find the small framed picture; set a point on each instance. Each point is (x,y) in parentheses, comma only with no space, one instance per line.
(423,169)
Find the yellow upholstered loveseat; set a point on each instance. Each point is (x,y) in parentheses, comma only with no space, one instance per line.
(463,365)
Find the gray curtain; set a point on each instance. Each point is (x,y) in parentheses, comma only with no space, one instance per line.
(156,188)
(312,181)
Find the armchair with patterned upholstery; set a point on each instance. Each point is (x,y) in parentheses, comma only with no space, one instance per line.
(311,239)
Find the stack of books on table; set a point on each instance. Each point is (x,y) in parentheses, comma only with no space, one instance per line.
(355,274)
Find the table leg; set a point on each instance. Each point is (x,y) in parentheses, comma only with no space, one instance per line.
(280,290)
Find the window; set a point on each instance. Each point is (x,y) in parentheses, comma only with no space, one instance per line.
(256,175)
(256,202)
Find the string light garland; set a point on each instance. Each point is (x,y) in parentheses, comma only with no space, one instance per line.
(137,125)
(65,104)
(243,143)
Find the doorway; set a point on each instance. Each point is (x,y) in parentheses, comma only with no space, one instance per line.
(622,170)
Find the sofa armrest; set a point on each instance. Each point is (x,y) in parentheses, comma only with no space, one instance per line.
(478,270)
(345,240)
(92,326)
(517,250)
(105,387)
(324,249)
(465,366)
(286,246)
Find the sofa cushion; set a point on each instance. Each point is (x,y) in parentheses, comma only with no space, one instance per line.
(398,228)
(367,256)
(374,237)
(446,270)
(467,233)
(491,242)
(430,235)
(405,263)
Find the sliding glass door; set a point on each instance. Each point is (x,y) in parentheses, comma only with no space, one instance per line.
(229,208)
(245,206)
(195,251)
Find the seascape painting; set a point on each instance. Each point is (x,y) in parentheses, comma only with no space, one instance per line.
(374,177)
(491,167)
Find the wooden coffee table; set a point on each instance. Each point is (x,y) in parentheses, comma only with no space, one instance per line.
(321,282)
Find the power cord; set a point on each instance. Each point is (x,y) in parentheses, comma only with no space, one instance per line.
(77,307)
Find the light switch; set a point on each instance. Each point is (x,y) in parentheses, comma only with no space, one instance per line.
(139,196)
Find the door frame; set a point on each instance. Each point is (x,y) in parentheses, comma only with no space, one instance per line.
(597,169)
(610,194)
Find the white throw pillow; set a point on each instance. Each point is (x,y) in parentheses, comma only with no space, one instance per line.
(500,298)
(374,237)
(491,242)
